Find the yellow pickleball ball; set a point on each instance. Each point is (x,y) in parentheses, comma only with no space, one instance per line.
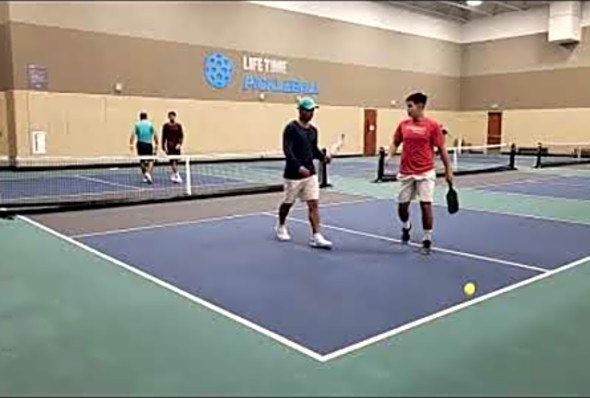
(469,289)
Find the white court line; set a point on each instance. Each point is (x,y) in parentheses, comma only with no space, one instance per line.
(168,225)
(295,346)
(499,184)
(548,181)
(204,220)
(180,292)
(450,310)
(438,249)
(100,181)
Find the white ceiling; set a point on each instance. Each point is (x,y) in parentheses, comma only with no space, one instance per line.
(458,11)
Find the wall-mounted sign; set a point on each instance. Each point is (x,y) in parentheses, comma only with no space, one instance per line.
(39,142)
(219,71)
(37,77)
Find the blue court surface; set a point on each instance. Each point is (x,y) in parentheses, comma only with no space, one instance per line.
(557,187)
(369,285)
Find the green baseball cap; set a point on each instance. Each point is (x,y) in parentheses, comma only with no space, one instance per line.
(307,103)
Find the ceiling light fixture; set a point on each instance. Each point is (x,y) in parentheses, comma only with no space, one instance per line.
(474,3)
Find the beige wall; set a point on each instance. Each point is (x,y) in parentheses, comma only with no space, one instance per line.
(526,72)
(528,127)
(5,58)
(3,12)
(468,126)
(92,63)
(543,88)
(523,54)
(94,125)
(244,26)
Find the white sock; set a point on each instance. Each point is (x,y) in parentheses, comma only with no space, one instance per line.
(407,225)
(428,235)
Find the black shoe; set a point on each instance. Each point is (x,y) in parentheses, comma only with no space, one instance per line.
(406,235)
(426,247)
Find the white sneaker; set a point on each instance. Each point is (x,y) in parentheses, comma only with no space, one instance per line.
(282,233)
(318,241)
(148,178)
(175,178)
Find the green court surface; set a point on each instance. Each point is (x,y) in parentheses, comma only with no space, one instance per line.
(75,323)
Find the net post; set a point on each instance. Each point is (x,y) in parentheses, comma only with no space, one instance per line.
(456,158)
(539,154)
(189,185)
(381,165)
(324,171)
(512,163)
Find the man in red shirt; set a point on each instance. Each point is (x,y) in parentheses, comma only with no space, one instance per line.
(419,136)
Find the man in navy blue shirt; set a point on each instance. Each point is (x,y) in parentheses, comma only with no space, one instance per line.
(300,146)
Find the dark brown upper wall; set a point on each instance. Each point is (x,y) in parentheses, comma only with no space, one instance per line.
(88,62)
(559,88)
(5,59)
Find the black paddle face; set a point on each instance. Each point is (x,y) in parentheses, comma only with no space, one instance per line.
(452,200)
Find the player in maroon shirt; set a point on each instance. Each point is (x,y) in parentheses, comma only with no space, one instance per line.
(420,137)
(172,138)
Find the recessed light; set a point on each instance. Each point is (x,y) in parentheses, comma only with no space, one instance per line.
(474,3)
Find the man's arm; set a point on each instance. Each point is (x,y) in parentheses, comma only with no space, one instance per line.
(288,147)
(317,152)
(181,139)
(132,139)
(439,143)
(395,142)
(156,140)
(164,137)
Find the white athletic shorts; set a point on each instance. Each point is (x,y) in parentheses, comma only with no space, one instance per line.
(305,189)
(417,186)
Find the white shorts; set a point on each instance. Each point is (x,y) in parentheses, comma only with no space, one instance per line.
(419,186)
(305,189)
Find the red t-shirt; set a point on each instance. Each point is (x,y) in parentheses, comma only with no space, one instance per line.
(419,140)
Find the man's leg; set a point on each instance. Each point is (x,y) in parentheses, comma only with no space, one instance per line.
(314,215)
(403,211)
(426,192)
(291,190)
(406,193)
(284,210)
(310,193)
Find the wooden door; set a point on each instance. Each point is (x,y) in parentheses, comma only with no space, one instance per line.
(494,128)
(370,146)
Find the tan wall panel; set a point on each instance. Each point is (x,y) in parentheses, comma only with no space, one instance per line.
(244,26)
(91,125)
(92,63)
(470,126)
(3,126)
(522,54)
(387,121)
(5,58)
(22,140)
(528,127)
(4,12)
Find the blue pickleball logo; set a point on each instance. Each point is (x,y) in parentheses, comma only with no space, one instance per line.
(219,70)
